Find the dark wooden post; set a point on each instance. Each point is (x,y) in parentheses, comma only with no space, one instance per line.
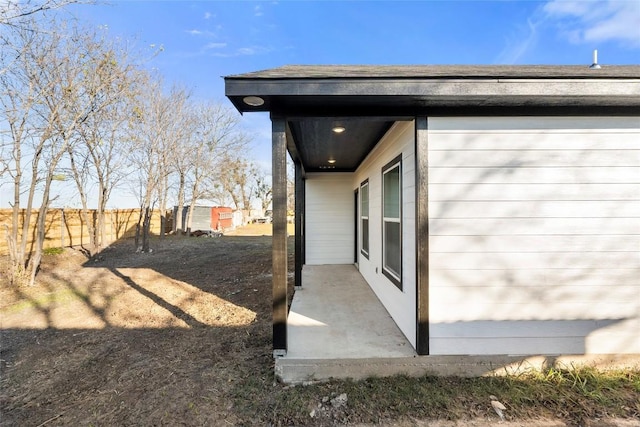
(279,183)
(422,235)
(299,218)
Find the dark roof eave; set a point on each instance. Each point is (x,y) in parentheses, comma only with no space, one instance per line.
(312,72)
(377,87)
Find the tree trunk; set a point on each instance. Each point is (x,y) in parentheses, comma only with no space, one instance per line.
(100,222)
(146,225)
(192,207)
(178,219)
(36,257)
(163,202)
(83,199)
(139,230)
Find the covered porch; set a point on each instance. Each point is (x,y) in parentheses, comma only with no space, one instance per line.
(337,328)
(336,315)
(331,120)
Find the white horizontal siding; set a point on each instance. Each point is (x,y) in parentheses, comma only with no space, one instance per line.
(541,279)
(530,260)
(329,218)
(535,158)
(399,303)
(532,125)
(539,140)
(554,298)
(565,337)
(531,175)
(584,191)
(534,235)
(534,226)
(534,243)
(525,209)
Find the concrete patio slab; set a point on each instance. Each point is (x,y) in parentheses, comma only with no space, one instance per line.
(336,315)
(337,328)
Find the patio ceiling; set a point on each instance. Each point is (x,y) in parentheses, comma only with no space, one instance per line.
(320,148)
(367,100)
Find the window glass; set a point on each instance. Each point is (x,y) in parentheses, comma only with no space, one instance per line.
(392,192)
(364,217)
(393,251)
(365,236)
(392,221)
(364,191)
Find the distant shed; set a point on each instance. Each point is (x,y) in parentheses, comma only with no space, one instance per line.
(206,218)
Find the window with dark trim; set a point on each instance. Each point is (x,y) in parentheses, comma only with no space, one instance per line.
(392,221)
(364,218)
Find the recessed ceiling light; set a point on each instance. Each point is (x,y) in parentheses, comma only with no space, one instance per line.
(254,101)
(338,129)
(331,161)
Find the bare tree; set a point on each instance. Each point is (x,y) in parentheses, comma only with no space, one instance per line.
(145,138)
(40,95)
(13,12)
(178,133)
(291,187)
(98,156)
(34,122)
(263,189)
(193,163)
(213,135)
(233,180)
(19,98)
(156,132)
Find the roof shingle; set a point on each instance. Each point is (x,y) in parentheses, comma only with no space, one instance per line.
(443,71)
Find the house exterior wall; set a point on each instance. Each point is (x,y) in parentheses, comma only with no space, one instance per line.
(401,304)
(329,218)
(534,235)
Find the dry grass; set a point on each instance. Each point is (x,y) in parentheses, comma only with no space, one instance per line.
(258,230)
(182,336)
(577,396)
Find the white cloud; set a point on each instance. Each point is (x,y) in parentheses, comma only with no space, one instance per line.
(207,15)
(597,21)
(257,11)
(579,22)
(567,7)
(198,33)
(215,46)
(515,51)
(245,51)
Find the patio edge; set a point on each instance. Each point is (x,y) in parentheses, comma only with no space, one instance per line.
(307,371)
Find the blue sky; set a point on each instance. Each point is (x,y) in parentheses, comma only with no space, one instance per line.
(207,39)
(204,40)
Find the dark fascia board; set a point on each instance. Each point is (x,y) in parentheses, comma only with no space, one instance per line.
(287,96)
(445,88)
(399,90)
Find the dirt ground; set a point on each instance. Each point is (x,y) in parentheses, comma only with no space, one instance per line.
(137,339)
(178,336)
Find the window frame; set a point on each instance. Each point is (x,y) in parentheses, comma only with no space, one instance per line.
(364,218)
(393,276)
